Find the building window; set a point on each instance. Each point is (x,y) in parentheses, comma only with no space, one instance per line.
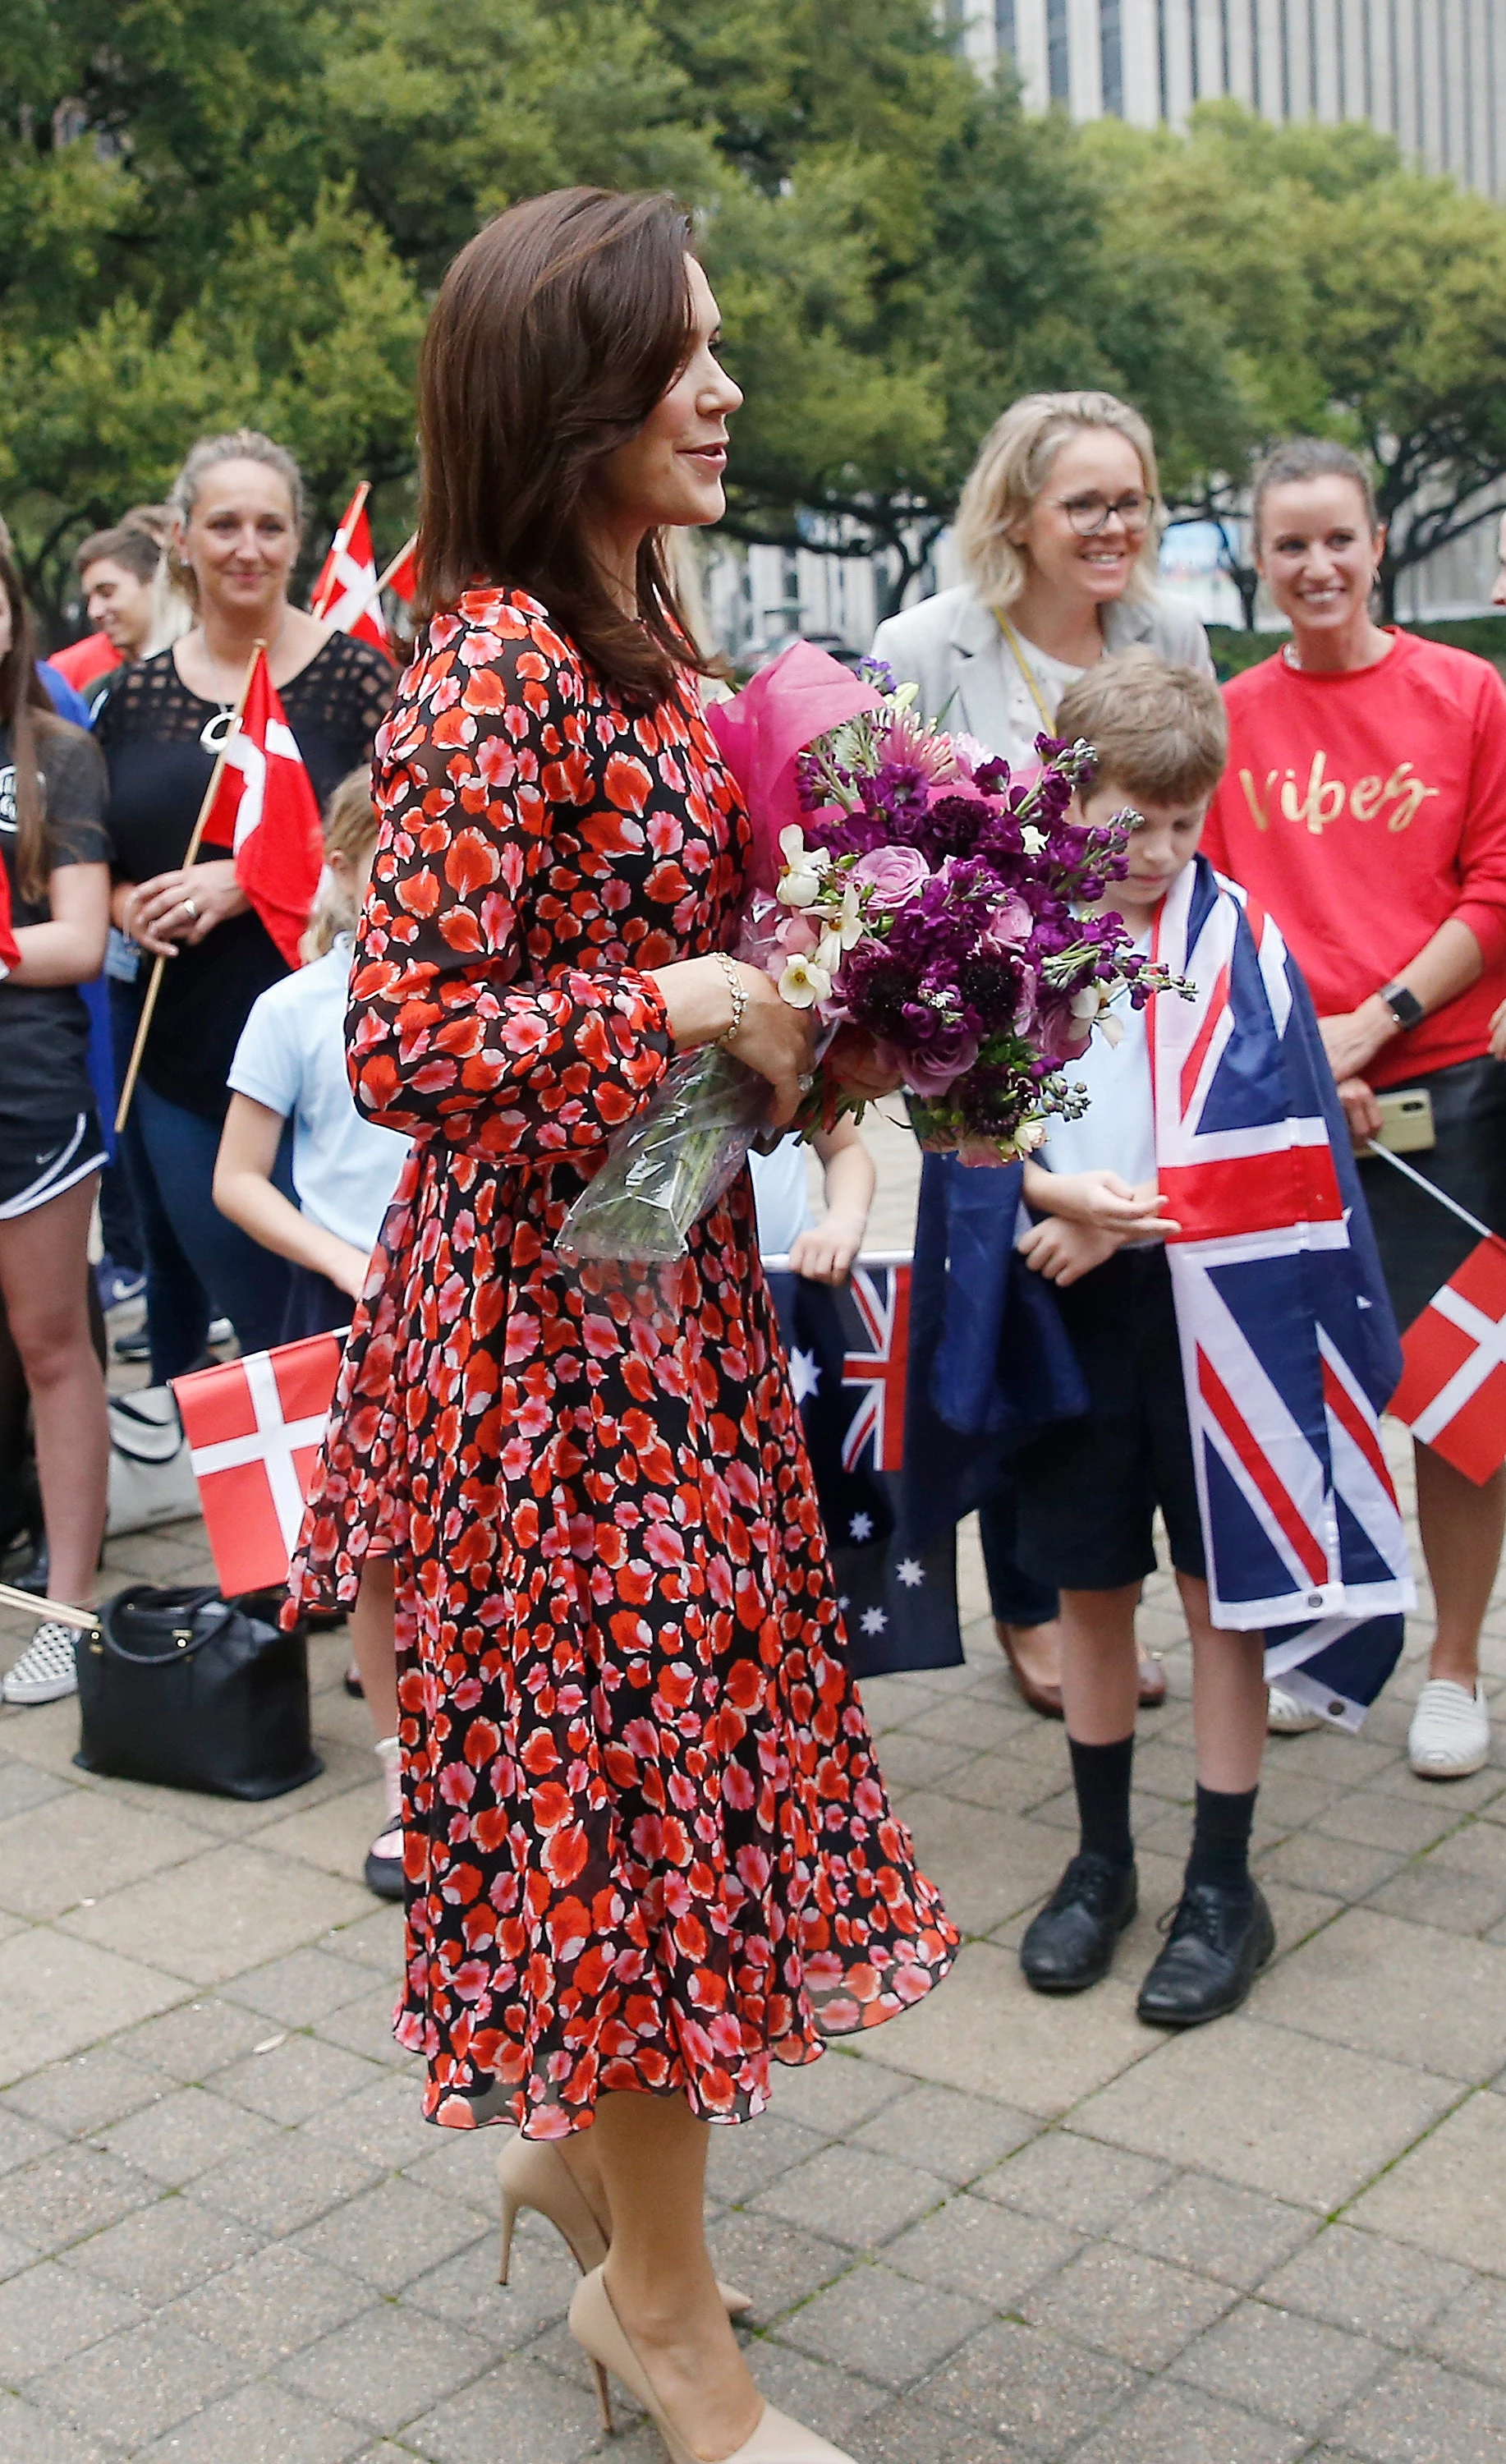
(957,19)
(1058,66)
(1312,58)
(1004,28)
(1286,64)
(1194,52)
(1111,44)
(1223,42)
(1161,59)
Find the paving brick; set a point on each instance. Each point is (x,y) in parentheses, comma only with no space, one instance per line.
(70,2192)
(778,2264)
(161,2251)
(136,2384)
(1343,1869)
(182,2134)
(989,2034)
(458,2164)
(304,1986)
(364,2027)
(388,2367)
(60,1996)
(464,2291)
(984,2251)
(541,2418)
(1471,2332)
(847,2195)
(1077,2182)
(1428,1893)
(51,2311)
(22,1786)
(1265,2107)
(834,2402)
(1378,1820)
(1126,2303)
(1294,2369)
(225,1911)
(382,2123)
(197,2038)
(1024,2386)
(79,1846)
(835,2095)
(390,2234)
(27,2436)
(1448,2193)
(16,2254)
(884,2325)
(958,2136)
(1365,2283)
(1411,1994)
(1179,2425)
(299,2077)
(1215,2228)
(741,2163)
(85,2095)
(1423,2414)
(373,1940)
(271,2306)
(905,2432)
(264,2423)
(285,2183)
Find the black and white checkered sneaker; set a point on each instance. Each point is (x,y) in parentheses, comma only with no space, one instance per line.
(46,1670)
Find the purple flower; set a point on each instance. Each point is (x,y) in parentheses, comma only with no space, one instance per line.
(896,873)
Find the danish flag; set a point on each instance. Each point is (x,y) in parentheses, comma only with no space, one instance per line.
(401,574)
(346,594)
(880,1418)
(1288,1350)
(265,811)
(254,1428)
(1452,1393)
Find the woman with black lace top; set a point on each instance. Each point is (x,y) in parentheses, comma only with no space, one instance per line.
(238,502)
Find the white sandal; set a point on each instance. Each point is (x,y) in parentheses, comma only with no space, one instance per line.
(1451,1731)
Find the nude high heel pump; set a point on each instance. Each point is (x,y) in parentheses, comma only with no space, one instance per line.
(532,2173)
(601,2336)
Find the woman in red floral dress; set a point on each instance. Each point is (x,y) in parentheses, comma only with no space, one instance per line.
(648,1851)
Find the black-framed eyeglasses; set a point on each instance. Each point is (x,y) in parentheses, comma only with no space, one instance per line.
(1090,514)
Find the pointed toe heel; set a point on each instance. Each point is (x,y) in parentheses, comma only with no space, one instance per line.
(533,2174)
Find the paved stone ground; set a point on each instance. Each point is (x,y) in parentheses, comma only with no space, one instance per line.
(1007,2231)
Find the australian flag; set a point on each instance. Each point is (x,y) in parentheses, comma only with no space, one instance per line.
(1289,1349)
(849,1353)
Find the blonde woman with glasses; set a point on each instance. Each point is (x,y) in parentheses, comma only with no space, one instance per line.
(1057,532)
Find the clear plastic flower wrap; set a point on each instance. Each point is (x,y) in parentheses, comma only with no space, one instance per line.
(666,1169)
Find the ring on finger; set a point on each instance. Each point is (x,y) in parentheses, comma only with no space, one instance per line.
(190,909)
(806,1081)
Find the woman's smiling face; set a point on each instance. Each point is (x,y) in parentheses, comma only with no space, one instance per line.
(1093,469)
(1316,552)
(669,475)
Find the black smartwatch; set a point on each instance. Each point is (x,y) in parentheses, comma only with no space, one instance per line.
(1405,1008)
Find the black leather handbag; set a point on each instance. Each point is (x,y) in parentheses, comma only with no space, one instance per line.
(185,1689)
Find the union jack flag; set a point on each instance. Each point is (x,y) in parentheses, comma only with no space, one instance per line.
(879,1421)
(1289,1351)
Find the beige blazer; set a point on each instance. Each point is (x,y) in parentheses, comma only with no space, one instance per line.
(951,646)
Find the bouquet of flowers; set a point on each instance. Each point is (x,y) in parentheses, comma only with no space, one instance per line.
(910,887)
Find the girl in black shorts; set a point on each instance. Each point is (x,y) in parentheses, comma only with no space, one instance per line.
(55,855)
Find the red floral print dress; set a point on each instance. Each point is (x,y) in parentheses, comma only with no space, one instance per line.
(647,1841)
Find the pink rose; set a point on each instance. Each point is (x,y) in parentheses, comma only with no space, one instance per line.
(896,873)
(1007,926)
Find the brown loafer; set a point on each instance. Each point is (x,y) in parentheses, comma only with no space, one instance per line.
(1152,1681)
(1046,1699)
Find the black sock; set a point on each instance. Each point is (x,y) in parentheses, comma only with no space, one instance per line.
(1101,1776)
(1221,1838)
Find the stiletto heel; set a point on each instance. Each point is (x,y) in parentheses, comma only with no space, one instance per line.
(532,2173)
(602,2337)
(603,2397)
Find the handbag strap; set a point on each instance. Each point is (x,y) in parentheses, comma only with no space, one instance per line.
(187,1625)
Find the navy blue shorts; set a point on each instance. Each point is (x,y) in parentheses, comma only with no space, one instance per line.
(1089,1488)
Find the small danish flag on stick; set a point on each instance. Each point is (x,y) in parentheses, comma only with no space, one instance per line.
(1452,1393)
(254,1428)
(347,593)
(264,809)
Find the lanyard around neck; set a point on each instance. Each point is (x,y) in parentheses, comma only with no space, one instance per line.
(1047,718)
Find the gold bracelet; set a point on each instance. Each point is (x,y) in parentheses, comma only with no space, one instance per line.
(739,993)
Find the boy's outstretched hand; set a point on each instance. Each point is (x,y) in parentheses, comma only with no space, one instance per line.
(1100,1202)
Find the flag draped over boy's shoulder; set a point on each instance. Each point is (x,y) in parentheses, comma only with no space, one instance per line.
(848,1360)
(265,811)
(1289,1349)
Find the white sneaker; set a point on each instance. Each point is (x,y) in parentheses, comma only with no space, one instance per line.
(46,1670)
(1451,1731)
(1286,1717)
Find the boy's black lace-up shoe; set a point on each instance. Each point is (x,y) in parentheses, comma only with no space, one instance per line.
(1070,1945)
(1216,1945)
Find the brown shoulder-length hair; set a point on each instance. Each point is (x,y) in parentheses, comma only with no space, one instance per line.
(26,711)
(557,330)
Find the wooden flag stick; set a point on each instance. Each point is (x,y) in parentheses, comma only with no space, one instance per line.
(31,1606)
(352,517)
(148,1006)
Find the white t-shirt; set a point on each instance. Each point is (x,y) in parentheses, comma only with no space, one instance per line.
(1117,1133)
(291,1058)
(1025,723)
(783,1195)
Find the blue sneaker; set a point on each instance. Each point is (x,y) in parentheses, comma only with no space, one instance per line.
(118,1284)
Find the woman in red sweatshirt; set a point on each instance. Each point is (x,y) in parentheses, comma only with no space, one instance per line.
(1364,805)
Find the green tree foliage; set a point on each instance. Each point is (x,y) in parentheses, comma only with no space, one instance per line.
(210,214)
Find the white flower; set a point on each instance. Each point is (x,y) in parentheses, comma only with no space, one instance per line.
(828,953)
(1087,1003)
(1032,839)
(804,982)
(1030,1135)
(796,852)
(798,889)
(1111,1028)
(847,922)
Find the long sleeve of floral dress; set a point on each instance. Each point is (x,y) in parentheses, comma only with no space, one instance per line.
(490,997)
